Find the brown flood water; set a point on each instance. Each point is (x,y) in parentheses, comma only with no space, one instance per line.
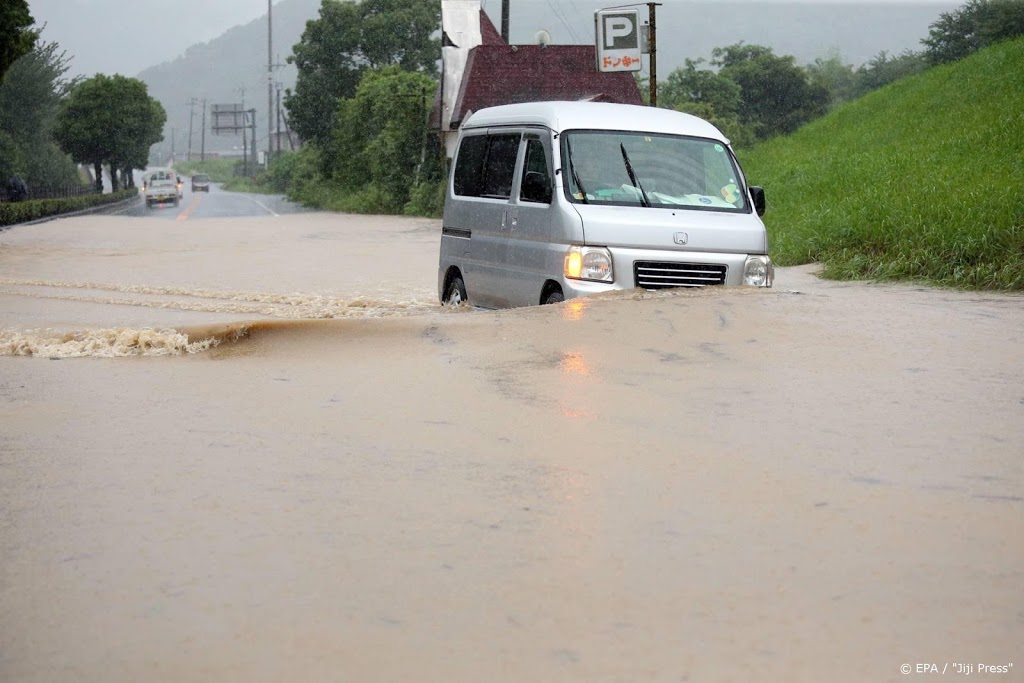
(822,482)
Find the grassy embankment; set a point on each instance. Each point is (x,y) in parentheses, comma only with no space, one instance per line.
(220,171)
(921,180)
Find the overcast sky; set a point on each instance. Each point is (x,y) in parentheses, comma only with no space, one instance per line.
(127,36)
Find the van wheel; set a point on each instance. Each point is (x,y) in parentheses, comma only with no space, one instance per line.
(554,297)
(456,292)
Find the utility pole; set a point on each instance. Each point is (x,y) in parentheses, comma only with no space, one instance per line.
(253,148)
(245,153)
(172,144)
(270,80)
(202,153)
(279,86)
(191,113)
(653,47)
(504,20)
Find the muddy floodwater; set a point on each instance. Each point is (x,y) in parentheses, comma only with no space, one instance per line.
(259,450)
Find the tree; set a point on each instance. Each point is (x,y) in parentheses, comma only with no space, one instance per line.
(707,94)
(882,70)
(975,25)
(30,97)
(691,84)
(17,37)
(348,39)
(380,134)
(837,78)
(776,95)
(109,120)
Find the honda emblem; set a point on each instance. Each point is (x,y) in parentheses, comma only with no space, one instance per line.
(679,238)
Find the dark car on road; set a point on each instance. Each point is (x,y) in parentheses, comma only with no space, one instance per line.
(200,182)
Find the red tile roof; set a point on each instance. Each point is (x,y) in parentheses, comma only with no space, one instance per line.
(509,74)
(488,34)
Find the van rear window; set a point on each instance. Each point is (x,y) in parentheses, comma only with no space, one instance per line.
(485,165)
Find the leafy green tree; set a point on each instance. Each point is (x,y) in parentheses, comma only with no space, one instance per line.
(348,39)
(689,83)
(776,95)
(109,120)
(709,95)
(17,37)
(975,25)
(11,161)
(30,97)
(380,136)
(838,78)
(882,70)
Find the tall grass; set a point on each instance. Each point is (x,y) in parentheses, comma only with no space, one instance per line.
(923,179)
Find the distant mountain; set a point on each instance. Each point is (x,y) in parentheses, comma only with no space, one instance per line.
(221,69)
(230,69)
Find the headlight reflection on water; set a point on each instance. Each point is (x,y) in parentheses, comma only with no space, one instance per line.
(574,309)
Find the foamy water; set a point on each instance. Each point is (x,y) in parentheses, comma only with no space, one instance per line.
(110,343)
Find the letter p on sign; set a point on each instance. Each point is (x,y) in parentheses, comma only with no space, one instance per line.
(618,39)
(616,27)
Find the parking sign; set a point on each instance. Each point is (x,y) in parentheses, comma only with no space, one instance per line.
(618,39)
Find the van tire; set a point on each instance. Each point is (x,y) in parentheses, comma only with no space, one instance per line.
(555,296)
(455,294)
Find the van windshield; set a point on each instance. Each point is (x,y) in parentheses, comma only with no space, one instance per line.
(647,169)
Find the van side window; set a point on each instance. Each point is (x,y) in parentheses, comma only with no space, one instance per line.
(536,184)
(500,165)
(470,165)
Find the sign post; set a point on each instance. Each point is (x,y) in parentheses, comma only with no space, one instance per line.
(232,119)
(618,39)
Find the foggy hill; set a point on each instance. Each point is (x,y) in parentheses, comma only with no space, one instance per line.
(219,69)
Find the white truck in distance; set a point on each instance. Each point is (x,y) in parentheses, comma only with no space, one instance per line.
(161,188)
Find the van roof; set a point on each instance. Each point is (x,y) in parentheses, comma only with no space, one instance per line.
(559,116)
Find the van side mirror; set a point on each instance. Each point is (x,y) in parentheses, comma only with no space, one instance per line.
(757,198)
(536,188)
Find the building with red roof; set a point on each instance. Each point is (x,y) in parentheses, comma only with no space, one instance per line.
(485,71)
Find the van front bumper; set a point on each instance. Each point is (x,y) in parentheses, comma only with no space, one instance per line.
(658,269)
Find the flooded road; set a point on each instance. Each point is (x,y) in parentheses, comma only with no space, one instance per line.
(257,449)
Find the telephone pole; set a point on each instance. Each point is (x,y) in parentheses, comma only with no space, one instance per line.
(202,152)
(191,113)
(245,152)
(270,80)
(279,86)
(504,20)
(653,47)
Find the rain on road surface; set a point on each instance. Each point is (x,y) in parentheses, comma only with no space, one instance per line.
(819,482)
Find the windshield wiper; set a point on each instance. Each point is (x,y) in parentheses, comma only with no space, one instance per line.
(572,172)
(645,200)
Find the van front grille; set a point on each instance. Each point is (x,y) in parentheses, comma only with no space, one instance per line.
(664,274)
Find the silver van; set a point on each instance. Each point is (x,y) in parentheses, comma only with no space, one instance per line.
(552,200)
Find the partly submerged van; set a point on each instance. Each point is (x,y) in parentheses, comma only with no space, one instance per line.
(552,200)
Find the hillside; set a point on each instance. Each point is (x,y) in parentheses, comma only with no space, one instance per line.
(920,179)
(229,69)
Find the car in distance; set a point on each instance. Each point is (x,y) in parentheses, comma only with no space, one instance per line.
(547,201)
(162,188)
(200,182)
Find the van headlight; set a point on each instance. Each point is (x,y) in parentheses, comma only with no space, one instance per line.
(589,263)
(758,271)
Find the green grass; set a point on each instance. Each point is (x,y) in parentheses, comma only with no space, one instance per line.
(219,170)
(921,180)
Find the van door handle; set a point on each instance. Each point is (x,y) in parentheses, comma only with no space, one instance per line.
(504,218)
(515,218)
